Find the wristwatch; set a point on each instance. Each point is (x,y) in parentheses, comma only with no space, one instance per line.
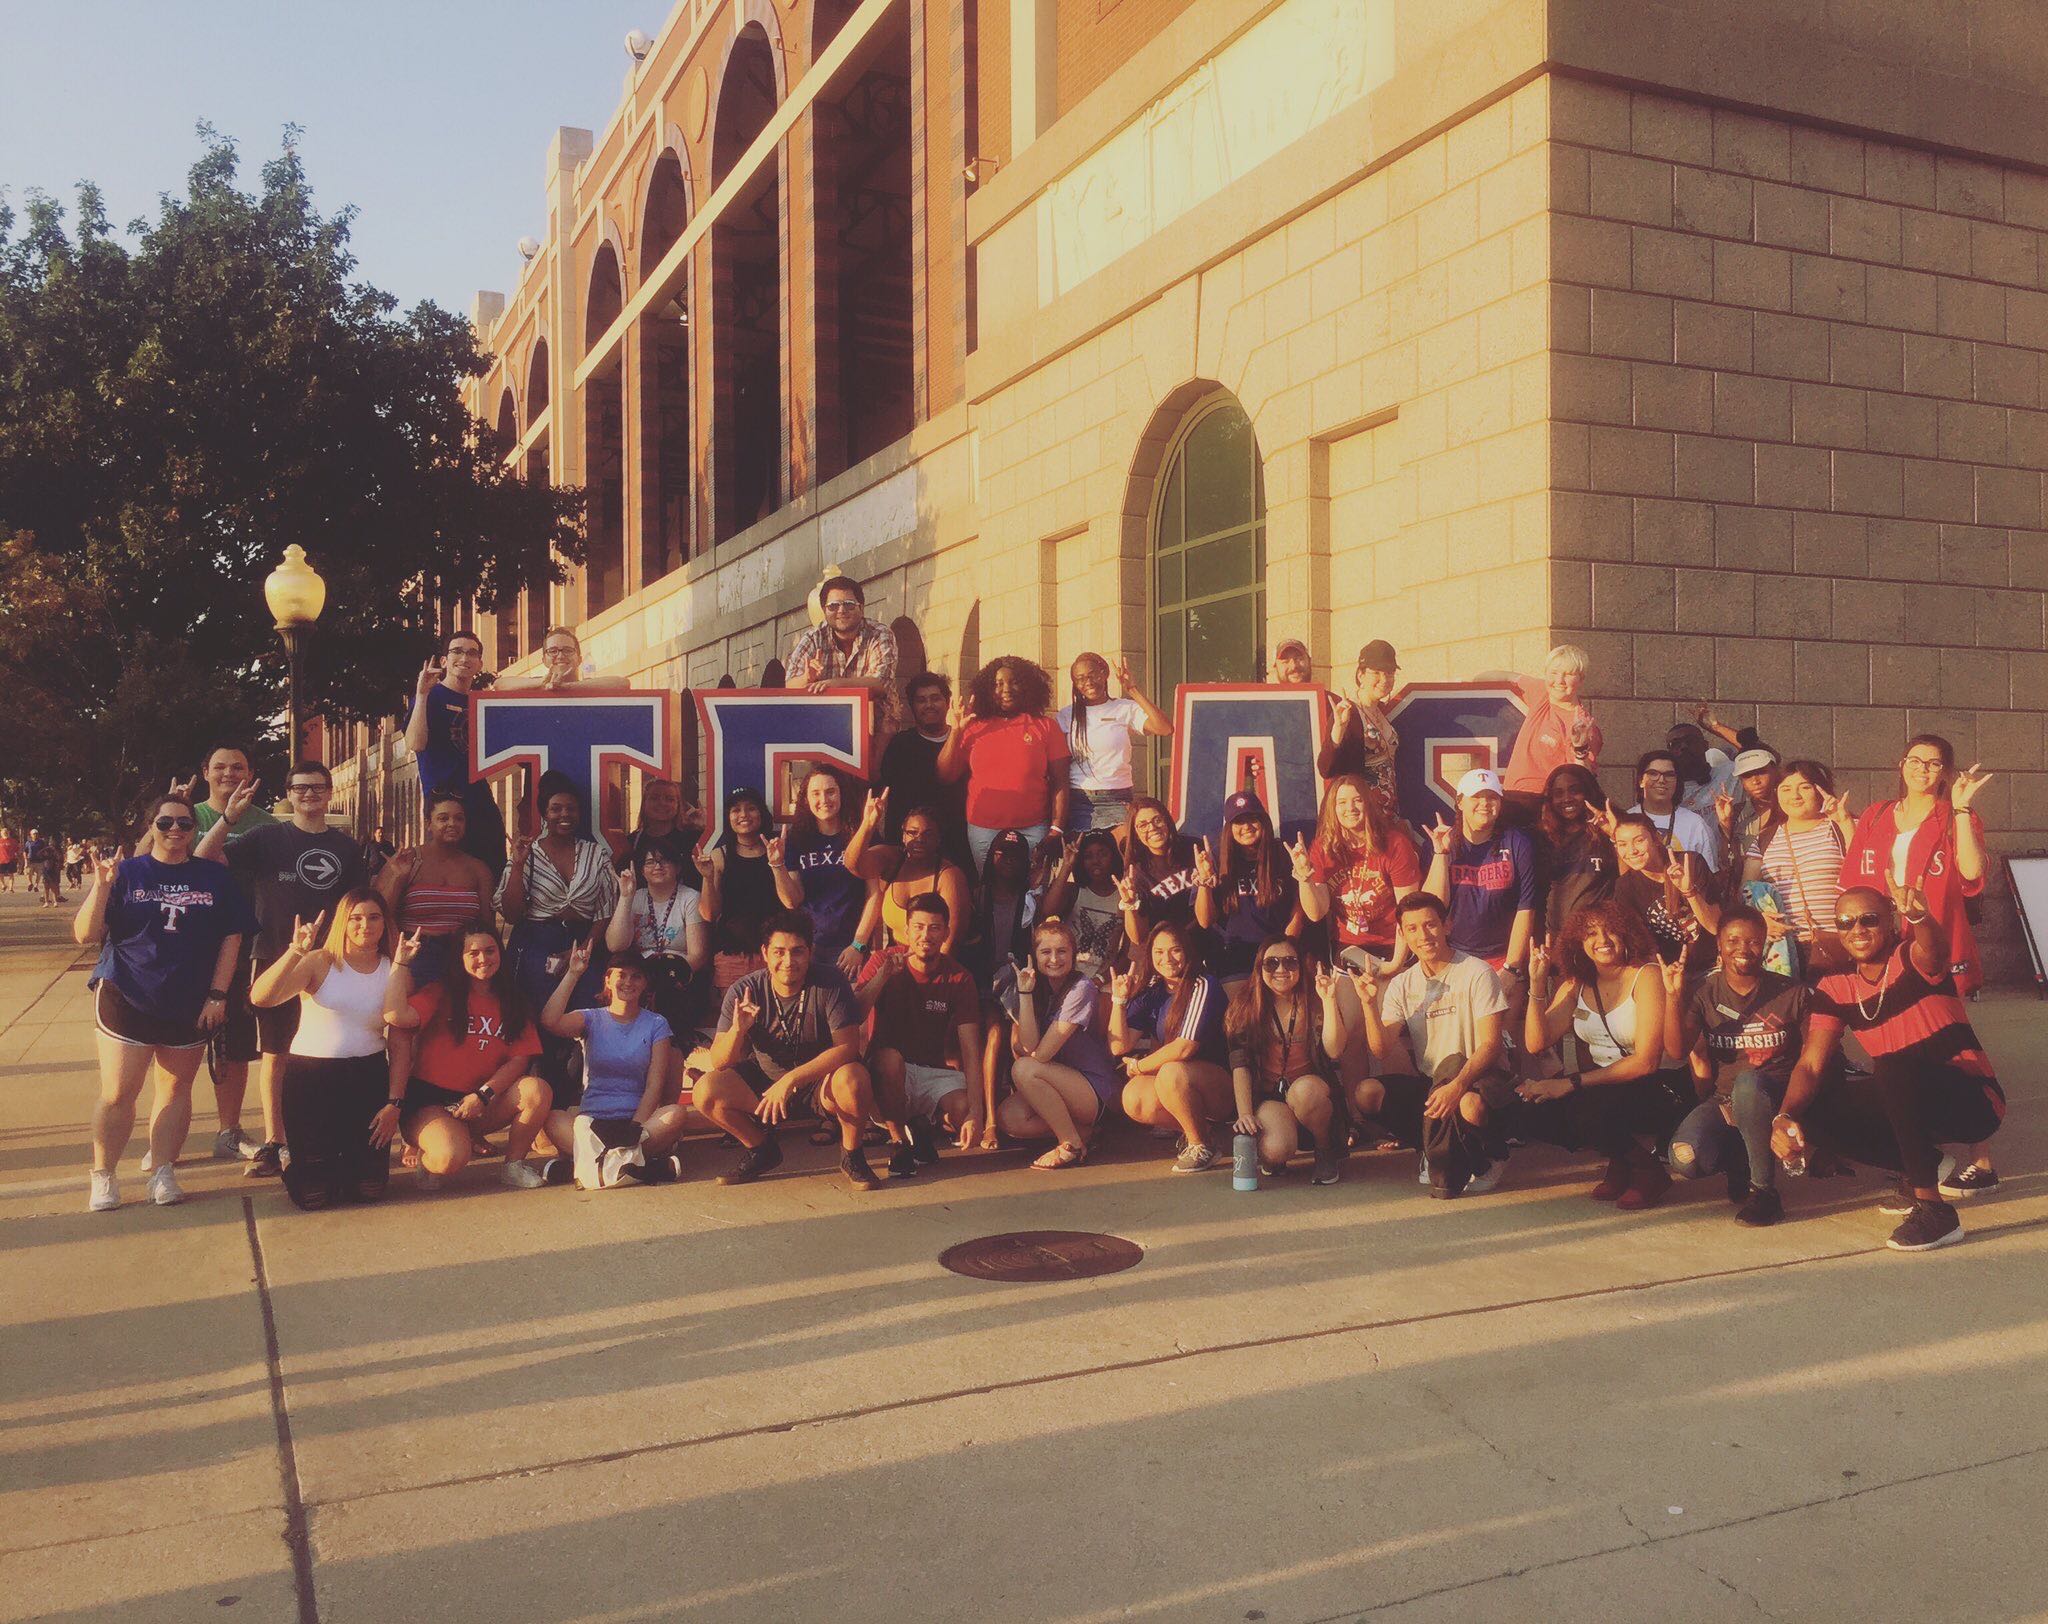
(485,1092)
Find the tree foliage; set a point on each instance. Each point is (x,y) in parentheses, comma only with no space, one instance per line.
(180,402)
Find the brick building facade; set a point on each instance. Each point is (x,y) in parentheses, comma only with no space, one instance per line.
(1708,336)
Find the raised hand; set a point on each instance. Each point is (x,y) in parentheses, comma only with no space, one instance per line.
(690,816)
(1304,870)
(239,801)
(104,870)
(1027,977)
(1366,979)
(1673,971)
(745,1012)
(1967,782)
(1326,982)
(877,808)
(1724,810)
(188,789)
(712,863)
(306,937)
(957,713)
(431,672)
(1205,864)
(1340,719)
(1684,875)
(1836,809)
(1120,669)
(1127,889)
(775,851)
(1539,967)
(629,881)
(406,863)
(1604,818)
(407,948)
(1120,985)
(1440,836)
(522,848)
(579,960)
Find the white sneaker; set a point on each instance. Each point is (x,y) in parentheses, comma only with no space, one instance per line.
(523,1176)
(1489,1181)
(589,1155)
(106,1194)
(1422,1171)
(163,1187)
(149,1161)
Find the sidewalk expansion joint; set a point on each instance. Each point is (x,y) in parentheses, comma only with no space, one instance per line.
(1053,1377)
(296,1537)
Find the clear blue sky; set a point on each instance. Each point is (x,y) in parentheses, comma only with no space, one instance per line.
(432,117)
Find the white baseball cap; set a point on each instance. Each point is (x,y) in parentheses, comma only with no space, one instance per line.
(1480,781)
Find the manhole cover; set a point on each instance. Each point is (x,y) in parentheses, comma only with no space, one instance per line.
(1041,1254)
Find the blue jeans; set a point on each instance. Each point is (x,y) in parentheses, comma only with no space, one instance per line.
(1706,1141)
(979,840)
(1097,809)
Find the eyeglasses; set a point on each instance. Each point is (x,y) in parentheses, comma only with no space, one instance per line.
(165,825)
(1862,921)
(1657,772)
(1280,964)
(1931,763)
(309,789)
(840,603)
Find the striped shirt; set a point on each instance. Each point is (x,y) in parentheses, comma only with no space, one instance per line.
(1905,1014)
(437,910)
(591,892)
(1806,867)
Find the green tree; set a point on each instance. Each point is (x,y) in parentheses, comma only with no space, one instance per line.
(180,402)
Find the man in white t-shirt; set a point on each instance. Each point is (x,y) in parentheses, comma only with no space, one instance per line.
(1657,785)
(1100,734)
(1439,1042)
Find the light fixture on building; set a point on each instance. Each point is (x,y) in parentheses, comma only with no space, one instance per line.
(528,247)
(677,312)
(638,45)
(978,170)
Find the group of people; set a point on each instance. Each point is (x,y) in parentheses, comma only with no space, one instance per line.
(1005,940)
(46,864)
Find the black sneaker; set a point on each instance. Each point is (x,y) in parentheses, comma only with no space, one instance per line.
(1738,1183)
(854,1164)
(762,1158)
(1970,1180)
(267,1163)
(1898,1201)
(1763,1208)
(1930,1224)
(558,1170)
(903,1163)
(924,1144)
(1329,1166)
(654,1169)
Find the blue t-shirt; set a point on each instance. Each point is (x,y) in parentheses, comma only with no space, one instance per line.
(1201,1020)
(1491,882)
(165,924)
(833,893)
(1247,924)
(616,1055)
(444,764)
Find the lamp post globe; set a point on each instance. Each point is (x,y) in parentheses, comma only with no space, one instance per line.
(296,594)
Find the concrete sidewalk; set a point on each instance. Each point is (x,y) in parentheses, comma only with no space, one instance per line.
(772,1403)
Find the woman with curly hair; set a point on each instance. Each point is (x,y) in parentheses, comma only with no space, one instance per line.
(1611,999)
(1012,754)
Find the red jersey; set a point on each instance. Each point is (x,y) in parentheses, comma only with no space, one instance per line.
(1930,869)
(460,1063)
(1009,763)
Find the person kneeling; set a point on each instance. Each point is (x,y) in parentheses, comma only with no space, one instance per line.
(1931,1082)
(1740,1030)
(1060,1065)
(1437,1036)
(926,1057)
(621,1129)
(1284,1040)
(788,1043)
(470,1070)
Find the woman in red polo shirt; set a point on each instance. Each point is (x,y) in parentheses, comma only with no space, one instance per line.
(1012,754)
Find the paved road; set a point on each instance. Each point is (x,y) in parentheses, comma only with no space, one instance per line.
(771,1403)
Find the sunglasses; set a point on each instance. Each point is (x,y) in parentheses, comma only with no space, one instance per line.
(165,825)
(1862,921)
(841,603)
(1280,964)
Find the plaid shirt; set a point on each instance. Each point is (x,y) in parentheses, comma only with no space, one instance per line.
(873,655)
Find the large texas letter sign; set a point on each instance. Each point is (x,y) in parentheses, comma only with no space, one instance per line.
(1262,737)
(751,733)
(1447,729)
(575,731)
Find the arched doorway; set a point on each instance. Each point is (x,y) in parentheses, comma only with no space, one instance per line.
(1206,548)
(664,371)
(748,455)
(604,445)
(539,469)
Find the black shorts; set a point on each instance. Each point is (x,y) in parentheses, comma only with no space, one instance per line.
(421,1095)
(803,1103)
(124,1023)
(276,1026)
(233,1042)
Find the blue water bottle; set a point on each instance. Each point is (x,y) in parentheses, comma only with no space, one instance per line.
(1244,1162)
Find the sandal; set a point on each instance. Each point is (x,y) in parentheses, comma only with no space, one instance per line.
(1062,1155)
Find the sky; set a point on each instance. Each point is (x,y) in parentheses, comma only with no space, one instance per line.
(432,118)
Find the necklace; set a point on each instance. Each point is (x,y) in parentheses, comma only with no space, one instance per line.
(658,928)
(1869,1016)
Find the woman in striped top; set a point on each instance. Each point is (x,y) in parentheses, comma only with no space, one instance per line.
(437,888)
(557,891)
(1798,849)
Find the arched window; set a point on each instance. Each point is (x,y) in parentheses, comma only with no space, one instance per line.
(1208,553)
(664,418)
(604,445)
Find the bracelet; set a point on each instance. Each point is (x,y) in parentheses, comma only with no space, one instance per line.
(216,997)
(1577,1080)
(396,1103)
(485,1092)
(859,946)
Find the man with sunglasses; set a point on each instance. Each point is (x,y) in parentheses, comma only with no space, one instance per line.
(1931,1083)
(294,872)
(848,650)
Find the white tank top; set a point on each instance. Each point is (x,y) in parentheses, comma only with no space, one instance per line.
(1609,1043)
(344,1019)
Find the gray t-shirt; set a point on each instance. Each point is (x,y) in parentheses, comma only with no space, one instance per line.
(1442,1017)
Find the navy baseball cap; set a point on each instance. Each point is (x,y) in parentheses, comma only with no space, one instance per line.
(1244,804)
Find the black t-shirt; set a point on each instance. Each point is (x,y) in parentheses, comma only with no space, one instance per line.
(292,875)
(789,1031)
(1760,1031)
(1675,930)
(746,897)
(1577,872)
(910,772)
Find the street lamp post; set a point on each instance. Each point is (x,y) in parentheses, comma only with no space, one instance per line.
(296,595)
